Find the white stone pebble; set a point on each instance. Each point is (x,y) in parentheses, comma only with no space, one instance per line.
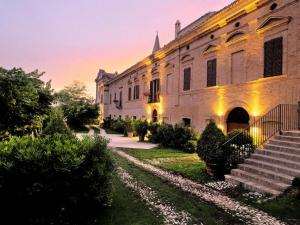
(247,214)
(170,214)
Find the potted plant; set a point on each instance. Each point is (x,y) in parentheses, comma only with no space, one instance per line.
(141,128)
(129,128)
(208,149)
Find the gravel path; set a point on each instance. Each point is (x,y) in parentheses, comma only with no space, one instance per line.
(170,214)
(247,214)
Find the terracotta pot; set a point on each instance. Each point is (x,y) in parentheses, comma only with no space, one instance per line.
(212,168)
(130,134)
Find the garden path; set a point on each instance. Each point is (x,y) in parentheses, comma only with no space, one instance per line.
(119,141)
(246,213)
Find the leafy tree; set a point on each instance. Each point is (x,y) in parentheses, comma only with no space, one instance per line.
(78,107)
(25,102)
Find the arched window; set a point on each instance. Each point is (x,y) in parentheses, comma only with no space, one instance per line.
(154,116)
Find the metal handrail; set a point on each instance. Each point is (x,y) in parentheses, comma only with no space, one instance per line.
(239,147)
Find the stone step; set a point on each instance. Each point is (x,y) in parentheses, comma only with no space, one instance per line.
(273,167)
(284,178)
(284,143)
(252,186)
(290,150)
(291,133)
(277,154)
(277,161)
(273,184)
(287,138)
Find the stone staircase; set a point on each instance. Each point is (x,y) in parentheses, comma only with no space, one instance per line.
(271,169)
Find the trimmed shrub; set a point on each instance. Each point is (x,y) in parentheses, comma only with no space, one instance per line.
(190,146)
(57,125)
(182,135)
(208,149)
(54,179)
(153,129)
(118,125)
(166,135)
(141,128)
(106,124)
(128,126)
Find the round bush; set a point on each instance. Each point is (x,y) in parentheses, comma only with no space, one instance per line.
(54,179)
(166,135)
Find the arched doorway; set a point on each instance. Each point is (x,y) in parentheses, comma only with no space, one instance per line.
(154,116)
(238,118)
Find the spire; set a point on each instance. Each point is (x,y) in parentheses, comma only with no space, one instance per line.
(156,44)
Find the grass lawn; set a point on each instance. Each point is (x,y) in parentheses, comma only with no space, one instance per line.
(185,164)
(285,207)
(200,211)
(127,209)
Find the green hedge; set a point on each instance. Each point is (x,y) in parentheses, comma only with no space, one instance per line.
(54,179)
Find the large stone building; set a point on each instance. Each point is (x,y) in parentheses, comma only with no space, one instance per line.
(231,66)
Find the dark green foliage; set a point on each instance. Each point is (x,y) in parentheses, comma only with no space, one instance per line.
(240,138)
(57,125)
(296,182)
(118,125)
(25,102)
(182,135)
(128,125)
(78,108)
(166,135)
(208,147)
(106,124)
(141,128)
(190,146)
(153,129)
(54,179)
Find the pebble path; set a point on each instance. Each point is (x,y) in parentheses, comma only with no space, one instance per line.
(170,214)
(247,214)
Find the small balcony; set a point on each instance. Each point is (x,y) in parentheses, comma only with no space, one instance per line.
(118,104)
(153,99)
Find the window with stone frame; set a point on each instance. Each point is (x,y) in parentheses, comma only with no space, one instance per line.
(129,94)
(211,72)
(273,57)
(187,78)
(136,92)
(154,91)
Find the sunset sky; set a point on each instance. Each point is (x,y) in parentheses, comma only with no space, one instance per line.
(71,39)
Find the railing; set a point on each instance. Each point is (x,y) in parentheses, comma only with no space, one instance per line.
(239,147)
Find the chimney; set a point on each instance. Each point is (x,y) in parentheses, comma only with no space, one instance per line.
(177,28)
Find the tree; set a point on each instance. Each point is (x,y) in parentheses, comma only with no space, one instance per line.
(78,107)
(25,102)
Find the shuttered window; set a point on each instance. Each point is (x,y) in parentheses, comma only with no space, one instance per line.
(136,92)
(154,91)
(212,73)
(273,57)
(187,79)
(129,94)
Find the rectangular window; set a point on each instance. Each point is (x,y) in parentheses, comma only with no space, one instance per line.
(110,99)
(187,122)
(115,98)
(212,73)
(273,57)
(101,98)
(187,79)
(129,94)
(136,92)
(154,91)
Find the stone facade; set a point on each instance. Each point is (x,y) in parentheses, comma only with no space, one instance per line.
(235,36)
